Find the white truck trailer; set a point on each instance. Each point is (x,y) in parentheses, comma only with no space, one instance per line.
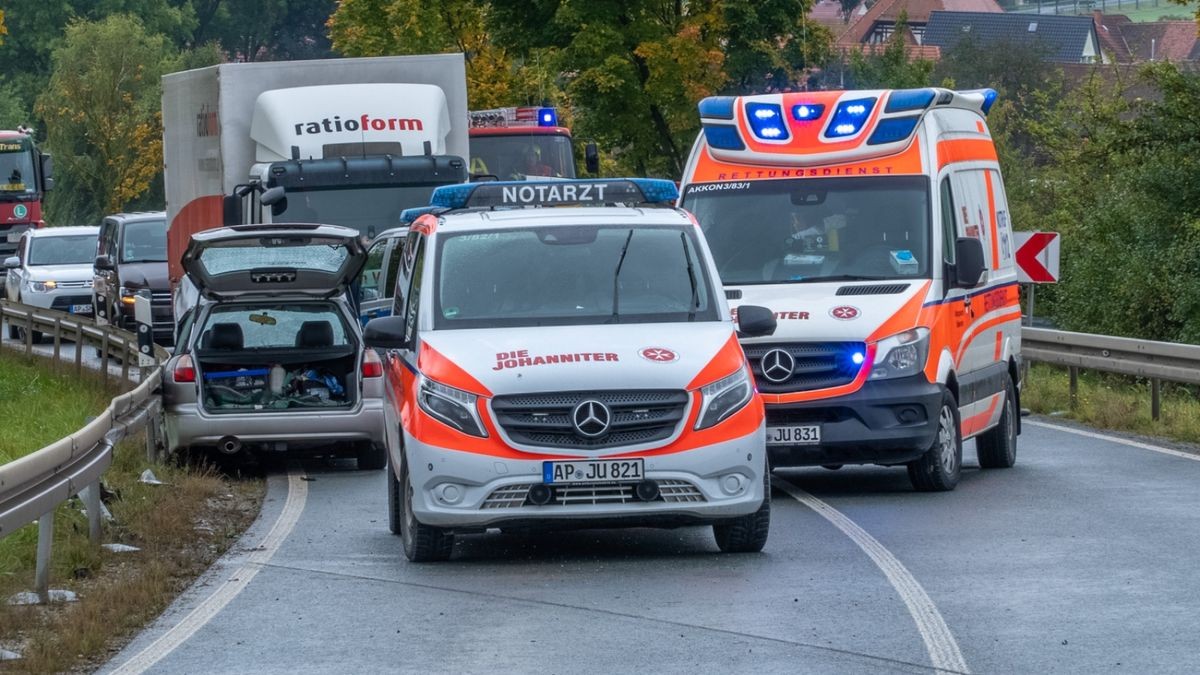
(340,141)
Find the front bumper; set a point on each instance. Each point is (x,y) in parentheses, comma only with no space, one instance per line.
(884,422)
(491,489)
(188,426)
(61,299)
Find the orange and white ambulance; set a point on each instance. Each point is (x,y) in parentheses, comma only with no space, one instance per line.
(875,225)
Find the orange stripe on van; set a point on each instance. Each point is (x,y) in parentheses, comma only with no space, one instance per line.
(991,197)
(974,330)
(709,170)
(905,318)
(965,150)
(728,359)
(977,423)
(437,367)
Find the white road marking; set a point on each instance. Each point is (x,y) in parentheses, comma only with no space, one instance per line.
(1114,439)
(943,650)
(227,591)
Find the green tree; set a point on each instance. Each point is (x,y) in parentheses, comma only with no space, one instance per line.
(101,108)
(264,30)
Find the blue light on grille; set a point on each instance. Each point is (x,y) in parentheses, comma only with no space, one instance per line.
(849,117)
(807,112)
(766,121)
(547,117)
(723,137)
(893,129)
(909,99)
(717,107)
(857,358)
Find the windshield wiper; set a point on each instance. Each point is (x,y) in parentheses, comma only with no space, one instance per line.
(616,280)
(687,257)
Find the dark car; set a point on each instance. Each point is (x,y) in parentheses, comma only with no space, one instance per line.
(131,256)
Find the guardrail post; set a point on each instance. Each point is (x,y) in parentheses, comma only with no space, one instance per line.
(1074,371)
(1155,398)
(125,354)
(78,348)
(57,340)
(41,578)
(90,496)
(28,334)
(104,354)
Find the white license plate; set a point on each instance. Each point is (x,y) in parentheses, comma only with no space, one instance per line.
(14,237)
(593,471)
(81,309)
(806,434)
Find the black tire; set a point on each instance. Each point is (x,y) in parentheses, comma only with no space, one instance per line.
(394,496)
(371,457)
(422,543)
(939,469)
(747,534)
(996,448)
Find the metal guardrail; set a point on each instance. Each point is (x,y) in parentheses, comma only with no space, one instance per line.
(32,487)
(1155,361)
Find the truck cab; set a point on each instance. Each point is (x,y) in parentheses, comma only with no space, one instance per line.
(524,143)
(875,225)
(25,176)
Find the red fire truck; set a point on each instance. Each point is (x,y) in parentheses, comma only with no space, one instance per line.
(24,179)
(524,142)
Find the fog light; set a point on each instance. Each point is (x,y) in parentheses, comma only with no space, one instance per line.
(540,494)
(646,490)
(448,493)
(733,483)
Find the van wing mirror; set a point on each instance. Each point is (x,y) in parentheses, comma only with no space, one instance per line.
(969,266)
(755,321)
(47,171)
(591,158)
(385,333)
(104,263)
(12,263)
(231,210)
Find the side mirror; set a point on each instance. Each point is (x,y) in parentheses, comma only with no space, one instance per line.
(47,172)
(12,262)
(104,262)
(385,333)
(969,266)
(231,210)
(591,158)
(755,321)
(272,196)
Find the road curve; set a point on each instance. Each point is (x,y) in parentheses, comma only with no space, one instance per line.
(1080,559)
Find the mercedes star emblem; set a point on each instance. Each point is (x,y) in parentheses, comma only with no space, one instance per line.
(777,365)
(591,419)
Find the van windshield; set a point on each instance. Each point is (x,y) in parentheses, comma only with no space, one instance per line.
(814,230)
(144,241)
(562,275)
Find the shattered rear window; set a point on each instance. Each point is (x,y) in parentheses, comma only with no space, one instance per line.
(248,255)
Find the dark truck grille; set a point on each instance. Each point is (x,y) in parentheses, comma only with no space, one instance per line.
(817,365)
(638,416)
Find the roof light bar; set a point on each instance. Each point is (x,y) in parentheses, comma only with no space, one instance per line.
(893,129)
(807,112)
(523,116)
(766,121)
(717,107)
(850,117)
(723,137)
(555,193)
(908,99)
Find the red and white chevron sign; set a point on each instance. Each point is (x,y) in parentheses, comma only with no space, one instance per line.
(1037,257)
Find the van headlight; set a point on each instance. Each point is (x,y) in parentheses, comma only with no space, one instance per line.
(42,286)
(724,397)
(901,355)
(453,407)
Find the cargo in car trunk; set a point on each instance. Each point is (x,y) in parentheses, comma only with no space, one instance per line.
(279,357)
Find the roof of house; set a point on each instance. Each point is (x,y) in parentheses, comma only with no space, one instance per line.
(918,12)
(1110,28)
(828,13)
(1063,37)
(1168,40)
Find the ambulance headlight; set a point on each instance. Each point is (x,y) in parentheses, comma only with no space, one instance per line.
(453,407)
(901,355)
(724,397)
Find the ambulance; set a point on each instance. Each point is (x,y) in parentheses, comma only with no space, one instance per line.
(874,225)
(567,367)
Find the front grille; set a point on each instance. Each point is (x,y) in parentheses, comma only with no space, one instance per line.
(817,365)
(671,491)
(75,284)
(64,302)
(638,416)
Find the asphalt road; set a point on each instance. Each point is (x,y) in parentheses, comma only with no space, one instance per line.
(1080,559)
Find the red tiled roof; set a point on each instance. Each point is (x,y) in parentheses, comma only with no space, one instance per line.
(1109,28)
(912,51)
(918,12)
(1168,40)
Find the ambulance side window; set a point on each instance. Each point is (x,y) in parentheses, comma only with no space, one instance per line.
(414,295)
(1003,225)
(949,222)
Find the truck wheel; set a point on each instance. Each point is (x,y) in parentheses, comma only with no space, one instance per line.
(422,543)
(747,534)
(997,447)
(939,468)
(371,457)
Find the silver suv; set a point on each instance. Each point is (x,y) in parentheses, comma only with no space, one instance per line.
(52,269)
(270,356)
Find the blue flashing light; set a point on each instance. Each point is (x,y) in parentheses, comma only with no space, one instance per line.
(717,107)
(807,112)
(858,358)
(453,196)
(723,137)
(909,99)
(766,121)
(893,129)
(849,117)
(525,193)
(547,117)
(407,216)
(989,97)
(657,189)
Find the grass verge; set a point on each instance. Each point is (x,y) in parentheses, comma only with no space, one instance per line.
(39,405)
(1113,402)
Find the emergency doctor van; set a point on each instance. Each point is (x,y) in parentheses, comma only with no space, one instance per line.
(567,367)
(874,225)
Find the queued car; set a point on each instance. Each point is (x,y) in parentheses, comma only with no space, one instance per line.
(567,367)
(53,270)
(269,356)
(131,257)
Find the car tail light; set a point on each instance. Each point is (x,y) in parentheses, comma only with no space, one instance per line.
(184,370)
(372,366)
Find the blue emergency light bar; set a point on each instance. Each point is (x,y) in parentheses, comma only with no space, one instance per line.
(407,216)
(547,117)
(521,193)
